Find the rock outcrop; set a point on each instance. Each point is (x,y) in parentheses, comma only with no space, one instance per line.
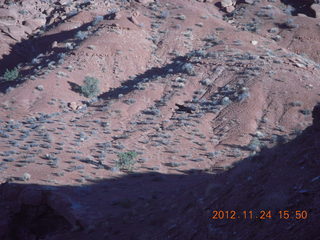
(316,116)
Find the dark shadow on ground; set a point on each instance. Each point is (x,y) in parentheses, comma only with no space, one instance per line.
(303,7)
(171,206)
(26,52)
(28,49)
(75,87)
(151,74)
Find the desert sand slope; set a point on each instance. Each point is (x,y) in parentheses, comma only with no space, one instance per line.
(198,106)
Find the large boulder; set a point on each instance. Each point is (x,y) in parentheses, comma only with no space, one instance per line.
(316,9)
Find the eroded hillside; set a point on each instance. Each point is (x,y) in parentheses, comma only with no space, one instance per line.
(198,105)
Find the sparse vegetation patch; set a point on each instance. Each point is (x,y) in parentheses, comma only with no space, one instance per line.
(126,160)
(11,75)
(90,88)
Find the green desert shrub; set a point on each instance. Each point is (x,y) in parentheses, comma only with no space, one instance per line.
(90,87)
(81,35)
(11,75)
(126,160)
(189,69)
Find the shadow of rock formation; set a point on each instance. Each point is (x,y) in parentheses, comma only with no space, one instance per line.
(180,206)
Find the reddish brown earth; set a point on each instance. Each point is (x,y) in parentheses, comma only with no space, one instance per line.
(217,106)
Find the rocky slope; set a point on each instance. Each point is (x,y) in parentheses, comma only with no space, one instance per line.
(202,106)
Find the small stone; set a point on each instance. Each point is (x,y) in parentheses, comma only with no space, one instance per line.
(81,107)
(92,47)
(73,106)
(230,9)
(254,42)
(134,20)
(54,44)
(40,87)
(309,86)
(259,134)
(249,1)
(299,65)
(145,1)
(64,2)
(226,3)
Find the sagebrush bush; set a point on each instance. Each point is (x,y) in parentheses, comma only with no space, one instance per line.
(11,75)
(90,87)
(126,160)
(254,145)
(290,24)
(81,35)
(189,69)
(97,20)
(164,14)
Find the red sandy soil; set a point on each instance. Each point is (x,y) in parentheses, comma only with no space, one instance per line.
(216,105)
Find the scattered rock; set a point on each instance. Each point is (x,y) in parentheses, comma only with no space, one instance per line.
(82,107)
(145,1)
(65,2)
(54,44)
(114,16)
(40,87)
(91,47)
(73,106)
(185,108)
(249,1)
(134,20)
(226,3)
(230,9)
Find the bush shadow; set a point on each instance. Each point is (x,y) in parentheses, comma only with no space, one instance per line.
(75,87)
(148,76)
